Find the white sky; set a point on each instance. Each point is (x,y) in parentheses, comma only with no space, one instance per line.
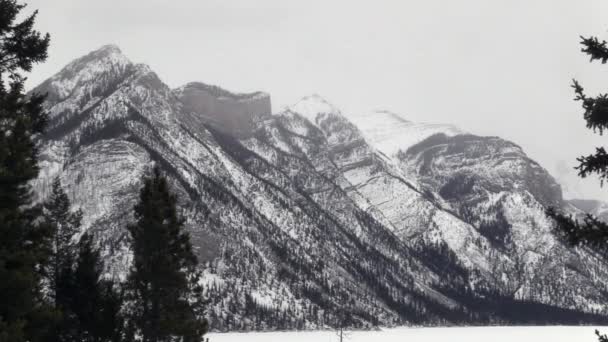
(491,67)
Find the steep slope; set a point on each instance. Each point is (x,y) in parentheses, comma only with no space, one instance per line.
(276,256)
(298,218)
(491,185)
(390,133)
(234,114)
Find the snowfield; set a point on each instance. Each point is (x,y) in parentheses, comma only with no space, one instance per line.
(477,334)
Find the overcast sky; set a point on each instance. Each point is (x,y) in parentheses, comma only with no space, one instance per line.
(490,67)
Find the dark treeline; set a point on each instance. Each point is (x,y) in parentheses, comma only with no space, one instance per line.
(160,300)
(52,281)
(25,239)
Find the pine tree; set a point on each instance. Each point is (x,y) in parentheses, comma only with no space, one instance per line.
(23,240)
(89,305)
(95,301)
(65,225)
(591,231)
(164,280)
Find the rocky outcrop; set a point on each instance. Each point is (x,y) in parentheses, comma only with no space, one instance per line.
(234,114)
(491,186)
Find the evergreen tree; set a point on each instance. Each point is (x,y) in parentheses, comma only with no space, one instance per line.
(164,279)
(591,231)
(65,225)
(23,240)
(95,301)
(89,305)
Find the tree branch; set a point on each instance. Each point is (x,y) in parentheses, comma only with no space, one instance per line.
(590,232)
(594,48)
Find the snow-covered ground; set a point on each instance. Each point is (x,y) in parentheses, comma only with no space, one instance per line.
(483,334)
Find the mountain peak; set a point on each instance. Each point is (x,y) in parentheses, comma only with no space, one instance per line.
(232,113)
(312,105)
(219,92)
(105,64)
(109,54)
(110,48)
(390,132)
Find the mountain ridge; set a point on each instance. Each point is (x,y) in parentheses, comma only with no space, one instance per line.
(297,214)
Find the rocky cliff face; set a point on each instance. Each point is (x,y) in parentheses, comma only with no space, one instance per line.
(234,114)
(493,187)
(305,214)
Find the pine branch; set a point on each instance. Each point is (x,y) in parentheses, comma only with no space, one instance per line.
(601,337)
(594,163)
(594,48)
(590,232)
(596,109)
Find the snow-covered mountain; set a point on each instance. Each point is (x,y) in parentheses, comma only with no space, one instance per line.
(307,216)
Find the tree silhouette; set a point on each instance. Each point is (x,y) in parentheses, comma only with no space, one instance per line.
(164,278)
(24,241)
(64,224)
(95,301)
(590,231)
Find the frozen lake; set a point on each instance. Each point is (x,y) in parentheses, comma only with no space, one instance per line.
(483,334)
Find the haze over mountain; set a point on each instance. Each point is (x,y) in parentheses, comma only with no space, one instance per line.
(301,215)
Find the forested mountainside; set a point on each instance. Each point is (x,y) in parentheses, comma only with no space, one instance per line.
(310,217)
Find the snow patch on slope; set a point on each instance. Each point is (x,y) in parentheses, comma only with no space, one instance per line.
(312,106)
(87,69)
(390,133)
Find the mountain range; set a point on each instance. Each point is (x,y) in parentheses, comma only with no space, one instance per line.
(309,217)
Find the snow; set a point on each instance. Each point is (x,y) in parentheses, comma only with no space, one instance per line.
(103,178)
(477,334)
(389,132)
(78,73)
(312,106)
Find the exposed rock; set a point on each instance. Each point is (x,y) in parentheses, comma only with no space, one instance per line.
(304,212)
(235,114)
